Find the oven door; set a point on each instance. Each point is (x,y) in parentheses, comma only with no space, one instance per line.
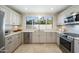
(65,45)
(71,19)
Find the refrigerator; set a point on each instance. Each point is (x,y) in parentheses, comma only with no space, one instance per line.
(2,32)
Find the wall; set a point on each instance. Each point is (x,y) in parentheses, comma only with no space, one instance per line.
(72,29)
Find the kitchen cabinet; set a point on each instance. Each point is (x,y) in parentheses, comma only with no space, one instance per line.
(58,38)
(38,37)
(49,37)
(60,20)
(42,37)
(27,37)
(18,40)
(12,42)
(9,44)
(11,17)
(54,37)
(35,37)
(76,45)
(15,18)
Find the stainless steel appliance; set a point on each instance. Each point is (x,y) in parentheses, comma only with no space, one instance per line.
(66,43)
(72,18)
(2,32)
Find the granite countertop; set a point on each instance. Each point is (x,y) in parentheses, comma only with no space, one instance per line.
(12,33)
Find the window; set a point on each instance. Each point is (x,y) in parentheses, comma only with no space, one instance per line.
(39,22)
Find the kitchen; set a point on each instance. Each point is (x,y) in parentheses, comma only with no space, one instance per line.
(39,29)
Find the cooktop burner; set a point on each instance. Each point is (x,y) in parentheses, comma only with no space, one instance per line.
(72,34)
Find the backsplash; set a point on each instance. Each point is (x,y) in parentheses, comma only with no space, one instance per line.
(69,28)
(72,28)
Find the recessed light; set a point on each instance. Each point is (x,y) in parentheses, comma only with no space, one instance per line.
(26,8)
(51,8)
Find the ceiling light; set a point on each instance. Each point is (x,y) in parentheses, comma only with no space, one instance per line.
(51,8)
(26,8)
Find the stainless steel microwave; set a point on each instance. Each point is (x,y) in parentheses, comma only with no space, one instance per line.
(73,18)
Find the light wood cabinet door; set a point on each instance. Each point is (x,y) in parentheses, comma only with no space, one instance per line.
(58,38)
(54,37)
(35,37)
(14,18)
(48,37)
(20,38)
(42,37)
(18,19)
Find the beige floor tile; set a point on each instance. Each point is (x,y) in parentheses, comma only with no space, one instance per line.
(38,48)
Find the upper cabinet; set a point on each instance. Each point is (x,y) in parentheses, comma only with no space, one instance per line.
(66,13)
(11,17)
(15,18)
(60,20)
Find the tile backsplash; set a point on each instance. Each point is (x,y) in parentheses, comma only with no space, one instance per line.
(72,28)
(69,28)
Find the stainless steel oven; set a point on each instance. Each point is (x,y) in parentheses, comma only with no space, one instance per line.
(66,44)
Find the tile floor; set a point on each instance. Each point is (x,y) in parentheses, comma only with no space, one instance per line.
(38,48)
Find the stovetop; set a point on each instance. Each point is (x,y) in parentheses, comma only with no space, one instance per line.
(72,34)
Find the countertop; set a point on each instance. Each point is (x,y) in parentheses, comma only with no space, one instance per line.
(13,33)
(75,36)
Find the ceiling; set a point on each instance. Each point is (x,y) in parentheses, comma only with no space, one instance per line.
(38,8)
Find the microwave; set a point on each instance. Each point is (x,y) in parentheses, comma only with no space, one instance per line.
(73,18)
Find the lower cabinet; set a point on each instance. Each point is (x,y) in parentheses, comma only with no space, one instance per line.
(43,37)
(76,45)
(58,38)
(12,42)
(35,37)
(49,37)
(9,44)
